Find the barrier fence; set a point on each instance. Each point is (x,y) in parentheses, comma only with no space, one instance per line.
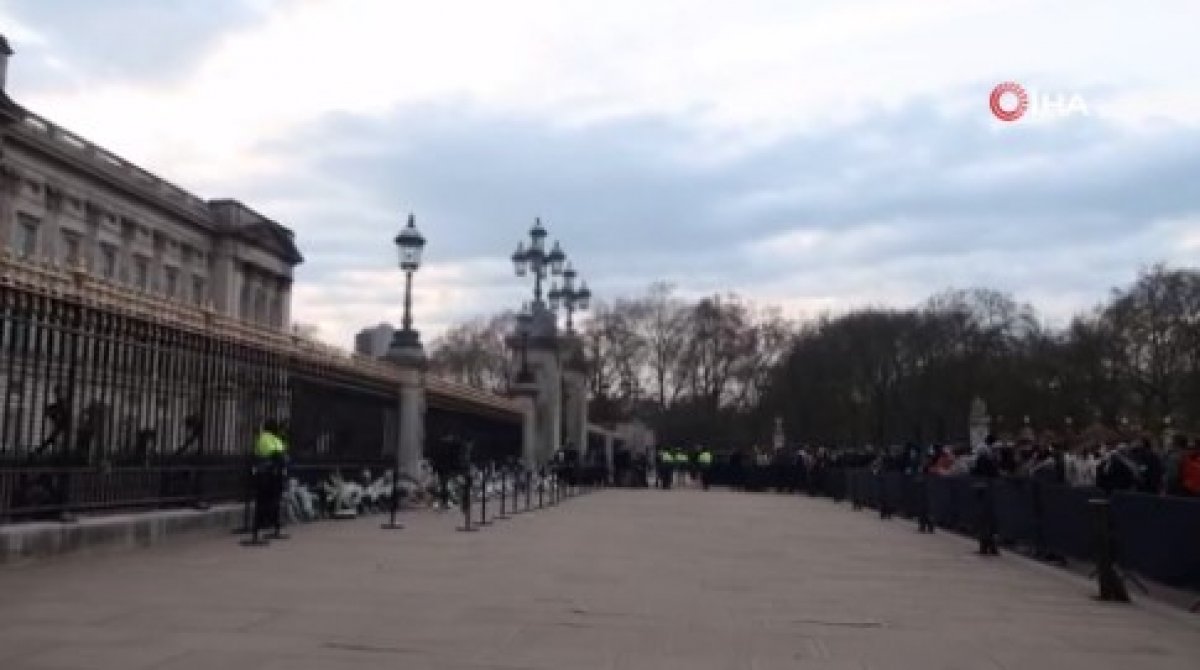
(1154,536)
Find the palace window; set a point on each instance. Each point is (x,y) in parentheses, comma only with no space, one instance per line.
(26,240)
(198,289)
(171,281)
(108,261)
(141,272)
(70,249)
(260,306)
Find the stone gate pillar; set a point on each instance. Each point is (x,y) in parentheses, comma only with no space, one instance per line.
(547,375)
(525,397)
(409,357)
(412,422)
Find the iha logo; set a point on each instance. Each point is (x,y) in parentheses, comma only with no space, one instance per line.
(1011,101)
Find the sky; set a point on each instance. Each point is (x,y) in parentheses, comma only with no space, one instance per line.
(816,156)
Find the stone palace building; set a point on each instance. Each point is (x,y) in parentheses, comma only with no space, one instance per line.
(69,202)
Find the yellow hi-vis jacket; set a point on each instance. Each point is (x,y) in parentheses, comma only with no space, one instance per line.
(268,445)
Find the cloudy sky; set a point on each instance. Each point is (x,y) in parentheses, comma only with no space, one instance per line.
(814,154)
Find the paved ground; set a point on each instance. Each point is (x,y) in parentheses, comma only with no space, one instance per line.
(618,579)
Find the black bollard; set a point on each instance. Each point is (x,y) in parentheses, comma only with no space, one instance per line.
(516,489)
(1112,585)
(987,519)
(503,494)
(527,473)
(466,505)
(924,522)
(541,486)
(483,497)
(392,524)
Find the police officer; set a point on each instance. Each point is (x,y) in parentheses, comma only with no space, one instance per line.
(666,463)
(705,460)
(268,473)
(682,464)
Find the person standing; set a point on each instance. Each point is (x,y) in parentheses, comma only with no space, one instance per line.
(704,460)
(682,466)
(666,465)
(268,454)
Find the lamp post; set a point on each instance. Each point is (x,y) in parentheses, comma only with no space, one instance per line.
(569,296)
(536,260)
(409,244)
(406,353)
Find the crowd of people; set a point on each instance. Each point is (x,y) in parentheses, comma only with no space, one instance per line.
(1139,464)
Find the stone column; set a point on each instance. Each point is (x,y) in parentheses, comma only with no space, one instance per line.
(528,427)
(50,232)
(576,408)
(285,303)
(10,188)
(224,285)
(412,422)
(125,270)
(548,378)
(409,358)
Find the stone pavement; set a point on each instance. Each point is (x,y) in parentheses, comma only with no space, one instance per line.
(617,579)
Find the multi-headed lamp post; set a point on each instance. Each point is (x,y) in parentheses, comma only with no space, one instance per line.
(570,296)
(536,260)
(409,244)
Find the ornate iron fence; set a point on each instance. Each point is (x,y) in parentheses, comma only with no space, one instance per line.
(116,400)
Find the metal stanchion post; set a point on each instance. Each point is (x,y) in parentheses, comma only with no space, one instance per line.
(391,524)
(503,493)
(1112,585)
(541,486)
(924,522)
(466,504)
(483,497)
(516,489)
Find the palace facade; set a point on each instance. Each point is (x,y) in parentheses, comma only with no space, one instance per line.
(67,202)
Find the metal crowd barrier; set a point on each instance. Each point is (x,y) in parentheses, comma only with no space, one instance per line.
(1154,536)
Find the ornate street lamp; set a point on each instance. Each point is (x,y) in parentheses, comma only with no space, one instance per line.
(569,296)
(536,260)
(409,244)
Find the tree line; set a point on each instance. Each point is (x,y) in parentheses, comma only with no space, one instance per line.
(717,370)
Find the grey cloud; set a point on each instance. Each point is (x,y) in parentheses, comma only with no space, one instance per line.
(156,40)
(631,207)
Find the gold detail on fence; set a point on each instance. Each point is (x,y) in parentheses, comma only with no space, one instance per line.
(75,284)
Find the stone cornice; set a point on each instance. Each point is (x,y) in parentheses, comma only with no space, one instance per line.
(78,154)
